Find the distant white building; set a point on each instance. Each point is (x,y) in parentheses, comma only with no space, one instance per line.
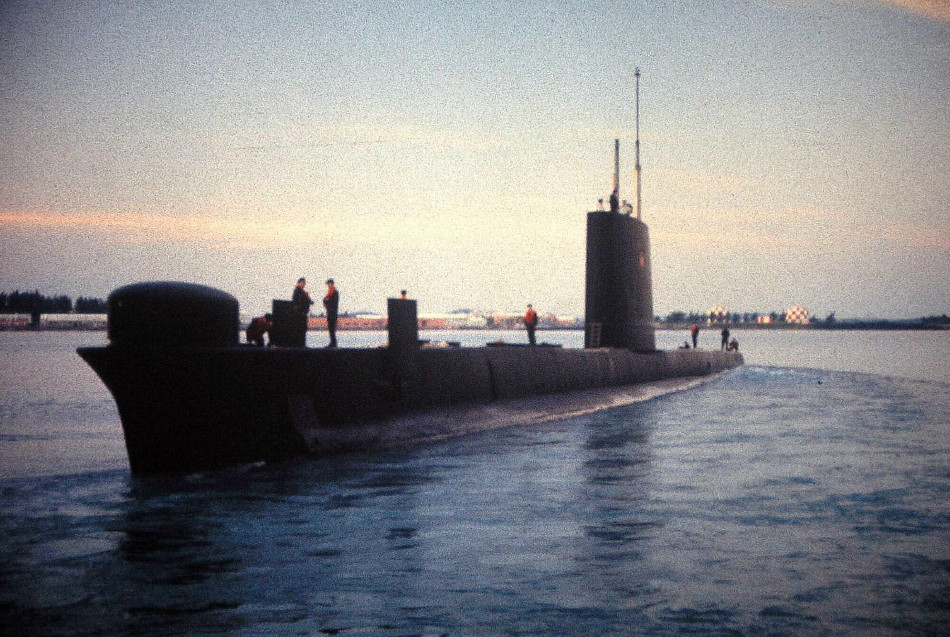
(475,321)
(74,321)
(452,320)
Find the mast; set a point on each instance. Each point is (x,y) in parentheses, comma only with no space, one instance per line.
(616,165)
(639,200)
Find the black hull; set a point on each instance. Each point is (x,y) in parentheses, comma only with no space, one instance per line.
(194,409)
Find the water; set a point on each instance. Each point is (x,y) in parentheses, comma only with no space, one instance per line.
(806,494)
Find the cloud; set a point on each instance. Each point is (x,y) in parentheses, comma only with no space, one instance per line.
(355,135)
(421,230)
(820,230)
(155,228)
(938,10)
(923,236)
(701,183)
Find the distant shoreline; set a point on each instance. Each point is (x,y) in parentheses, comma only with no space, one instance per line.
(844,325)
(881,326)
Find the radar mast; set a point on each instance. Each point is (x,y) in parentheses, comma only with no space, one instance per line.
(639,199)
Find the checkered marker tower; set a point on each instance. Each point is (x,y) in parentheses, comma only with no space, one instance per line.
(796,314)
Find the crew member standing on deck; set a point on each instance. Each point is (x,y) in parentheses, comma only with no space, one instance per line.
(530,323)
(694,332)
(331,303)
(725,338)
(302,302)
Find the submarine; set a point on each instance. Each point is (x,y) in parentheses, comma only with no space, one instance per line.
(192,398)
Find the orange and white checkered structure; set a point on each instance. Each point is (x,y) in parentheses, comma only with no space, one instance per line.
(796,314)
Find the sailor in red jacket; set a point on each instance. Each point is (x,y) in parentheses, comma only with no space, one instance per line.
(530,322)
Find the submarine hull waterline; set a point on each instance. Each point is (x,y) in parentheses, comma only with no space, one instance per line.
(193,408)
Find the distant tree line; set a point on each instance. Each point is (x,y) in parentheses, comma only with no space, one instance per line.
(943,319)
(18,302)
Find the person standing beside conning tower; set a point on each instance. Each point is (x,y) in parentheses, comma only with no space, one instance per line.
(331,303)
(301,301)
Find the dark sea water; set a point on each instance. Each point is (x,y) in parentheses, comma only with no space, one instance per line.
(807,493)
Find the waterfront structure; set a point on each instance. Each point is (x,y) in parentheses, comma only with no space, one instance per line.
(14,321)
(719,314)
(73,321)
(53,321)
(797,315)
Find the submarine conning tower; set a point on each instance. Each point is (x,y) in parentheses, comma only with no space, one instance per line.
(619,296)
(618,303)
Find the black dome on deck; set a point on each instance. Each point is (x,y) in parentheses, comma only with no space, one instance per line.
(172,314)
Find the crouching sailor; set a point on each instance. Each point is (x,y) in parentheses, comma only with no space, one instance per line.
(258,328)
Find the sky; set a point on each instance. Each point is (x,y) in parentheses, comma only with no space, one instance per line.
(793,151)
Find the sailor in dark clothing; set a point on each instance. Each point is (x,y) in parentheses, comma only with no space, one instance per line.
(302,302)
(725,338)
(614,203)
(331,303)
(258,327)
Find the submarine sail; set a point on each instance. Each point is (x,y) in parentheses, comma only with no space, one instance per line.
(618,303)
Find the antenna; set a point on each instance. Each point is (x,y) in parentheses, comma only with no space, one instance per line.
(616,164)
(639,199)
(614,203)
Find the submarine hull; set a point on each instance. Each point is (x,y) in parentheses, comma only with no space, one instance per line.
(198,408)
